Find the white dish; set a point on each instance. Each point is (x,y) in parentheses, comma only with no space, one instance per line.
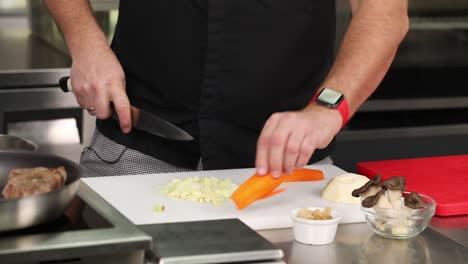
(315,232)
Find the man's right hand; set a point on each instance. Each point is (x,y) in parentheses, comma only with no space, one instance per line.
(97,77)
(98,81)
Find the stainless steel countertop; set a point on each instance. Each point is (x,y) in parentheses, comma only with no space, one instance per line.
(356,243)
(455,228)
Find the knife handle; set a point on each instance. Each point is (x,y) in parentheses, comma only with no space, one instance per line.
(65,84)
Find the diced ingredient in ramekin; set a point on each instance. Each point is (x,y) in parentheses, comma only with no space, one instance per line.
(316,214)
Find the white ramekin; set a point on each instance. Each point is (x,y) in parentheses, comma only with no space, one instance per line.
(315,232)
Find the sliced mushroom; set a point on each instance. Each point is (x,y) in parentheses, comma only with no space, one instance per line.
(373,190)
(414,201)
(383,201)
(394,197)
(365,188)
(395,187)
(372,200)
(394,183)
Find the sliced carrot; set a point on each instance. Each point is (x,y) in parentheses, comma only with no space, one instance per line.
(304,174)
(262,187)
(275,192)
(254,188)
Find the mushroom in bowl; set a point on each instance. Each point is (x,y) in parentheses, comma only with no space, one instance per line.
(394,213)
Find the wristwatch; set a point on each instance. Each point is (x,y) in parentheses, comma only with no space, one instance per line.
(333,99)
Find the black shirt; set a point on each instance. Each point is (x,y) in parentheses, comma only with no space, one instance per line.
(218,69)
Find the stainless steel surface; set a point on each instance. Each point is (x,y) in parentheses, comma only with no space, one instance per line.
(453,227)
(21,50)
(35,98)
(104,5)
(9,142)
(37,104)
(143,120)
(219,241)
(438,34)
(404,132)
(31,78)
(36,209)
(434,44)
(356,243)
(47,132)
(438,24)
(27,61)
(437,7)
(414,104)
(121,242)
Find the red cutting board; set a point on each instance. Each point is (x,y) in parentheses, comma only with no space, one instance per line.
(445,179)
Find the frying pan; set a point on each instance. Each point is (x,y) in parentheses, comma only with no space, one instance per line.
(36,209)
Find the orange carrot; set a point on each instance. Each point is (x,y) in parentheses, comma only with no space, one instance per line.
(275,192)
(304,175)
(254,188)
(262,187)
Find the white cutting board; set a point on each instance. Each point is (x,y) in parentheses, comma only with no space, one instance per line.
(135,196)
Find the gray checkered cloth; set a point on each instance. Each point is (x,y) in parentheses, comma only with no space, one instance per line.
(104,157)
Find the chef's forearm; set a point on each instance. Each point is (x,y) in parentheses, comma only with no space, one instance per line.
(368,48)
(79,27)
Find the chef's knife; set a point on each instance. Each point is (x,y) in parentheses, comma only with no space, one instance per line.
(143,120)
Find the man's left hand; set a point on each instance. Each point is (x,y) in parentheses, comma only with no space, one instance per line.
(289,139)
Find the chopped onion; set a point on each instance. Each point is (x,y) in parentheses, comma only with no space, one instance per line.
(203,190)
(159,208)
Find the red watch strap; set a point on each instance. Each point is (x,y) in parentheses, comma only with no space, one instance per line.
(343,108)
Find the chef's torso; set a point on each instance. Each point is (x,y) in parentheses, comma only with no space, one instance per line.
(219,69)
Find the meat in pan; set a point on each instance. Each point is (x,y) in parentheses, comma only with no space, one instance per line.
(24,182)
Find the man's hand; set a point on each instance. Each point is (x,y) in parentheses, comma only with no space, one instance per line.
(98,80)
(289,139)
(96,75)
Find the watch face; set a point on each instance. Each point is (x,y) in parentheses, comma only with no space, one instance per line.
(329,97)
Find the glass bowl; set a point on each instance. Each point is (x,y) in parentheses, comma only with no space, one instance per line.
(400,223)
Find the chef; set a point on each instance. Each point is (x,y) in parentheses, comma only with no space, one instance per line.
(255,82)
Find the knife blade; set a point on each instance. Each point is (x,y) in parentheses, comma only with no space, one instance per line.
(143,120)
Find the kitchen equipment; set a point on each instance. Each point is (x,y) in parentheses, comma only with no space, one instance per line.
(136,196)
(218,241)
(400,223)
(36,209)
(90,231)
(143,120)
(9,142)
(443,178)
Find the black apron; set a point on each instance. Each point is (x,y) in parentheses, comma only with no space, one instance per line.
(219,69)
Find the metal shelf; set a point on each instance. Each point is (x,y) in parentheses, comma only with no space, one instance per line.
(439,23)
(31,78)
(381,105)
(403,132)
